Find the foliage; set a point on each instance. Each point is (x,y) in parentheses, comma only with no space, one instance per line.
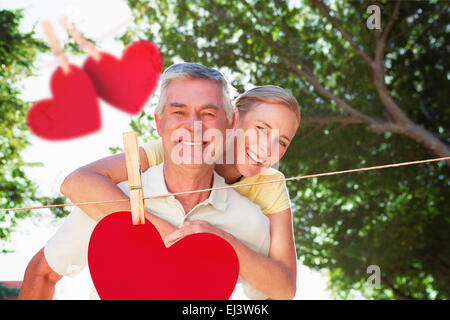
(365,101)
(7,292)
(142,125)
(18,51)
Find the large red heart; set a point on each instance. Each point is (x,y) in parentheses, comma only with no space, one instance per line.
(131,262)
(72,112)
(126,83)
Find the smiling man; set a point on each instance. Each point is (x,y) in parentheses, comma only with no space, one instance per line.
(191,107)
(193,98)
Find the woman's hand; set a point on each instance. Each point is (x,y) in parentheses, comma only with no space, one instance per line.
(192,227)
(98,181)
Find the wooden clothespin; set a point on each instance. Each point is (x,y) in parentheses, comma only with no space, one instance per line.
(82,42)
(63,61)
(131,149)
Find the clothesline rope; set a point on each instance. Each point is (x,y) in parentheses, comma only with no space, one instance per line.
(332,173)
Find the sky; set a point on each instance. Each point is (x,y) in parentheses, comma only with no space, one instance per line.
(100,20)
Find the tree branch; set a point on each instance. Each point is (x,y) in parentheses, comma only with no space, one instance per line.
(392,19)
(324,11)
(397,292)
(321,121)
(326,93)
(312,131)
(330,119)
(415,132)
(378,74)
(376,66)
(381,40)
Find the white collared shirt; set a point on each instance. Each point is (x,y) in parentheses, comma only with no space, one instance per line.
(66,251)
(225,209)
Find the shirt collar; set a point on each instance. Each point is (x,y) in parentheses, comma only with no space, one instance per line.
(154,184)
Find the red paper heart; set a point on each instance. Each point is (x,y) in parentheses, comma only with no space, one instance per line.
(131,262)
(72,112)
(126,83)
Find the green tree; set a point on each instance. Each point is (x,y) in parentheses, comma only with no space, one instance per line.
(7,292)
(18,51)
(367,97)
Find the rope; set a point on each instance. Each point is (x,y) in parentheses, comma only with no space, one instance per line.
(392,165)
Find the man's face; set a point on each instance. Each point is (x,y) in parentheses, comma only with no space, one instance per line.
(192,111)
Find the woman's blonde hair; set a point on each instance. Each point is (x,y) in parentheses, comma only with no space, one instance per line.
(267,94)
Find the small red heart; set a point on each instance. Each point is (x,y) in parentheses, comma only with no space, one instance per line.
(72,112)
(126,83)
(131,262)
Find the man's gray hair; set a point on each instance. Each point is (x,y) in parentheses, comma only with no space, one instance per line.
(189,70)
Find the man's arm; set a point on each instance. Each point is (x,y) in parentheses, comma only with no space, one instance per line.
(98,181)
(39,279)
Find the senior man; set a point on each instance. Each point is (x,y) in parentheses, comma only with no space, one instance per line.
(191,94)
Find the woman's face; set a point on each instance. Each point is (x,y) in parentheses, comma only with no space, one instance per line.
(263,135)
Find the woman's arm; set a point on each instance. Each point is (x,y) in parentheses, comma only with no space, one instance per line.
(275,275)
(97,181)
(282,245)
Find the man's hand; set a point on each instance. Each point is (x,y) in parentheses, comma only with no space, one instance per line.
(192,227)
